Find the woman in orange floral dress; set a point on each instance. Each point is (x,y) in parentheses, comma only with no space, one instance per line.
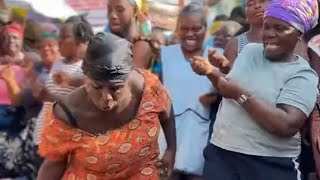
(108,129)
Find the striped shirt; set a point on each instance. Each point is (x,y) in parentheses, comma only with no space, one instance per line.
(58,92)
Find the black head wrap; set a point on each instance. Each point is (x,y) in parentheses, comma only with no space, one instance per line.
(108,58)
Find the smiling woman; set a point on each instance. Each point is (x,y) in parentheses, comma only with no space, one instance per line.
(267,97)
(192,118)
(12,41)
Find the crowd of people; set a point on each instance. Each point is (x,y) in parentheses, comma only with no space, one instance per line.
(236,100)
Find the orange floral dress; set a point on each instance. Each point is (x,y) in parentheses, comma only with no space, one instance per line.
(129,152)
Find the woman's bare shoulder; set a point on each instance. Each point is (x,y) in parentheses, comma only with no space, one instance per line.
(72,103)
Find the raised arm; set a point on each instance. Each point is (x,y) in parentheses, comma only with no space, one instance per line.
(294,104)
(14,90)
(141,54)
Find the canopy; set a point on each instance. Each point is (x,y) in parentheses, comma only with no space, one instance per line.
(52,8)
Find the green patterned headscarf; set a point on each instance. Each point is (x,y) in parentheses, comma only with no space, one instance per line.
(47,35)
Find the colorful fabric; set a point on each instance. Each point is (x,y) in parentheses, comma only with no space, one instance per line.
(215,27)
(145,24)
(18,154)
(301,14)
(14,28)
(129,152)
(142,5)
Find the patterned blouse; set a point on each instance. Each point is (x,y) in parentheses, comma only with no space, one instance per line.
(129,152)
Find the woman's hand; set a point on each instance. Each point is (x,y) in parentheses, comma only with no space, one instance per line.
(51,170)
(62,79)
(28,66)
(167,162)
(201,66)
(38,90)
(229,89)
(218,60)
(208,99)
(7,74)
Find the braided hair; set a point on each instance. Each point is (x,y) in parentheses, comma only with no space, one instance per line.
(82,29)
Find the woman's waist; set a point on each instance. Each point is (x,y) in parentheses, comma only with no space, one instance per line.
(111,170)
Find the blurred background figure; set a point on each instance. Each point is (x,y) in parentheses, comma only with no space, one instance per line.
(227,31)
(12,42)
(65,74)
(216,25)
(123,18)
(238,14)
(310,156)
(49,52)
(254,13)
(12,121)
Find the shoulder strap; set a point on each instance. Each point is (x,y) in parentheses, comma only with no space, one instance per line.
(67,111)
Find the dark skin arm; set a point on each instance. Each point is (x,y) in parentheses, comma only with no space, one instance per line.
(53,170)
(283,120)
(141,54)
(231,51)
(168,124)
(141,49)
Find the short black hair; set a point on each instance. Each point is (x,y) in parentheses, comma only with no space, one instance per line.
(82,29)
(238,14)
(194,8)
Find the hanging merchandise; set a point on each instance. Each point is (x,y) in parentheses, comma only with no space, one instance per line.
(143,17)
(163,14)
(47,8)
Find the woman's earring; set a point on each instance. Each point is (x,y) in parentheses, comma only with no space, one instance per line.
(299,39)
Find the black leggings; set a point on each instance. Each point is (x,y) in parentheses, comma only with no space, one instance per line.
(221,164)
